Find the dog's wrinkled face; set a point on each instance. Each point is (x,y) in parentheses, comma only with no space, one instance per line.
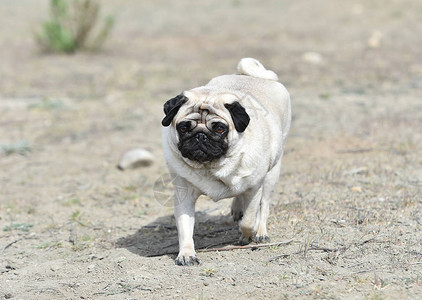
(203,126)
(201,140)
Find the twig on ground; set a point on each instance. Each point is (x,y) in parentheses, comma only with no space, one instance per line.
(313,247)
(72,237)
(11,243)
(228,248)
(228,242)
(365,271)
(252,247)
(357,150)
(156,226)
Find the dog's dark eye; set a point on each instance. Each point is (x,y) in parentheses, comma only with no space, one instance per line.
(219,129)
(183,129)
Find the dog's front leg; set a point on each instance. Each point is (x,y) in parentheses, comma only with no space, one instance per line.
(185,196)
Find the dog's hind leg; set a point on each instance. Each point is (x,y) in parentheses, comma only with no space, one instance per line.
(237,209)
(250,201)
(268,187)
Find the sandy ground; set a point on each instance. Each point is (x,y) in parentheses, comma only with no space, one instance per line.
(349,200)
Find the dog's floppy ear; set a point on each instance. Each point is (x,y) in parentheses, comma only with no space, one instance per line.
(239,115)
(171,107)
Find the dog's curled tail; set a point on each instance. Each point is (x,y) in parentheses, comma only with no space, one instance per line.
(252,67)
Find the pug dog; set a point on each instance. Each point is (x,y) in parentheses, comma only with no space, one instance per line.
(226,139)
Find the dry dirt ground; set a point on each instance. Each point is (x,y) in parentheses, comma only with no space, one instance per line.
(349,199)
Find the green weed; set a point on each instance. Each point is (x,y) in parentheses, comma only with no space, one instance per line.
(325,96)
(22,147)
(375,296)
(18,226)
(48,245)
(76,216)
(48,104)
(209,272)
(72,201)
(84,243)
(71,25)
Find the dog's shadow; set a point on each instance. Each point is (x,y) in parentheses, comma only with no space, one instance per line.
(160,237)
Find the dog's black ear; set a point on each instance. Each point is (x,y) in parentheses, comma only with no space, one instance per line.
(171,107)
(239,115)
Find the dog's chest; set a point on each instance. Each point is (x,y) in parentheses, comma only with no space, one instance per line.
(218,184)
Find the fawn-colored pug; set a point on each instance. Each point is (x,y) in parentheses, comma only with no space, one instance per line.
(226,139)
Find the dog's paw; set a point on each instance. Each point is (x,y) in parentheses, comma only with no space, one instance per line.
(182,260)
(244,240)
(237,215)
(262,239)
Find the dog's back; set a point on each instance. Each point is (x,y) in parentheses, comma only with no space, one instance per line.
(259,92)
(263,98)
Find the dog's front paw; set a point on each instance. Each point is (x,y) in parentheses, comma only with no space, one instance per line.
(182,260)
(262,239)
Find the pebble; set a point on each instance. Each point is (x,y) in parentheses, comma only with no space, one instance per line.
(135,158)
(313,58)
(357,189)
(121,259)
(374,40)
(91,268)
(361,170)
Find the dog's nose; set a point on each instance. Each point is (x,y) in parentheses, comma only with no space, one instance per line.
(201,137)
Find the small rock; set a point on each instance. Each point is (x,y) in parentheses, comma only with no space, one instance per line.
(341,223)
(313,58)
(135,158)
(362,170)
(121,259)
(96,256)
(357,189)
(91,268)
(374,40)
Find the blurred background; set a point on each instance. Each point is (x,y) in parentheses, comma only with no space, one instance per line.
(353,69)
(347,46)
